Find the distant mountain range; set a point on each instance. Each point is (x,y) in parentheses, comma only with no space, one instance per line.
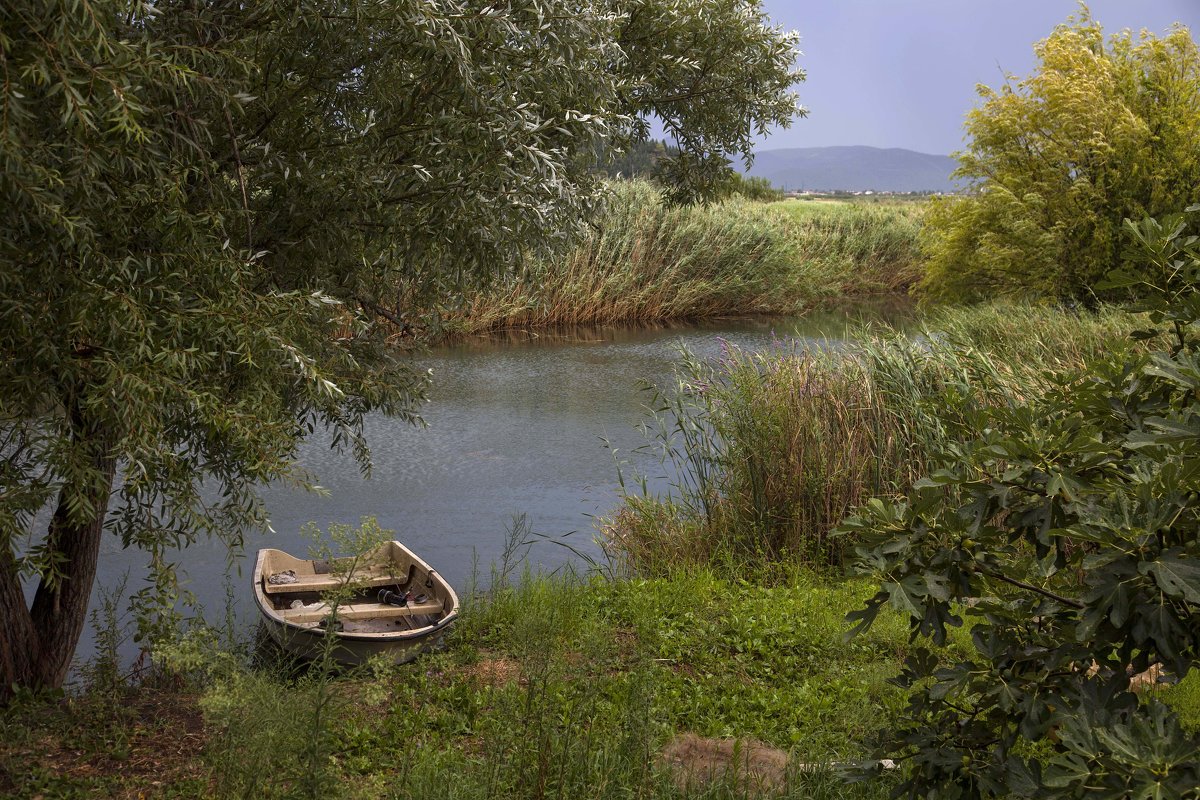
(855,169)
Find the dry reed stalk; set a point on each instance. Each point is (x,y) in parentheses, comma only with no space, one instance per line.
(649,262)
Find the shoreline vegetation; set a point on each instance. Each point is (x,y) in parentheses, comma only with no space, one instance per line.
(719,615)
(781,446)
(959,559)
(550,686)
(644,261)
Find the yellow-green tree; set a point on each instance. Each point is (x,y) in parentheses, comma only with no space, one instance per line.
(1103,130)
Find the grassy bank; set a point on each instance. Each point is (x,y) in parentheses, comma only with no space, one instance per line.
(553,688)
(645,261)
(778,447)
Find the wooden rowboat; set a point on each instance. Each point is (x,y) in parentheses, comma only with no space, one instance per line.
(397,605)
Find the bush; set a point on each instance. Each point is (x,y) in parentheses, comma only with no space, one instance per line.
(750,188)
(1067,529)
(1100,132)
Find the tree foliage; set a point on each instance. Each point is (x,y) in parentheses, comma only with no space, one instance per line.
(750,188)
(1100,132)
(209,205)
(636,161)
(1069,532)
(712,72)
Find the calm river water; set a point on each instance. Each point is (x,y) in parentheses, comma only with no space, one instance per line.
(529,424)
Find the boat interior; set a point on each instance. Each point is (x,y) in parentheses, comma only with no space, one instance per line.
(391,574)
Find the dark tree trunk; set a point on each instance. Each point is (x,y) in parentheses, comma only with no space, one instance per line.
(38,642)
(18,643)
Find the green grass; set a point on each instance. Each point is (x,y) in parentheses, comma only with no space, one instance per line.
(646,261)
(1032,338)
(777,448)
(551,688)
(125,744)
(1184,697)
(569,688)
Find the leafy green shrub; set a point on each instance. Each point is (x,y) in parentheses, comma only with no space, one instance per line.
(1068,530)
(1100,132)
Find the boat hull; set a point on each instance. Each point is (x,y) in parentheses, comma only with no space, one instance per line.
(309,645)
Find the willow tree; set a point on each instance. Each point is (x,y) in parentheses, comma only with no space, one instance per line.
(1105,129)
(210,205)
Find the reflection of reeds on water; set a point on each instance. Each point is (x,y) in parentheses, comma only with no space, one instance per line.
(616,333)
(560,334)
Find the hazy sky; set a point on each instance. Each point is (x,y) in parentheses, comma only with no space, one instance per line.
(902,73)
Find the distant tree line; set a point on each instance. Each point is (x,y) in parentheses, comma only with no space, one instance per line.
(644,160)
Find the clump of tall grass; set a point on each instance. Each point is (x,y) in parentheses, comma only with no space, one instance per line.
(774,449)
(858,248)
(1039,335)
(770,447)
(645,260)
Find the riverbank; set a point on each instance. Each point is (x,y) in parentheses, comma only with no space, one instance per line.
(644,261)
(780,445)
(713,628)
(554,687)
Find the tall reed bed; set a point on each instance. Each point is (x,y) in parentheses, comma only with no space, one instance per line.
(857,248)
(774,449)
(644,261)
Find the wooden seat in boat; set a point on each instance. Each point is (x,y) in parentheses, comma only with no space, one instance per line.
(321,583)
(350,611)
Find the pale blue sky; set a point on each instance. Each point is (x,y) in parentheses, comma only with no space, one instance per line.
(902,73)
